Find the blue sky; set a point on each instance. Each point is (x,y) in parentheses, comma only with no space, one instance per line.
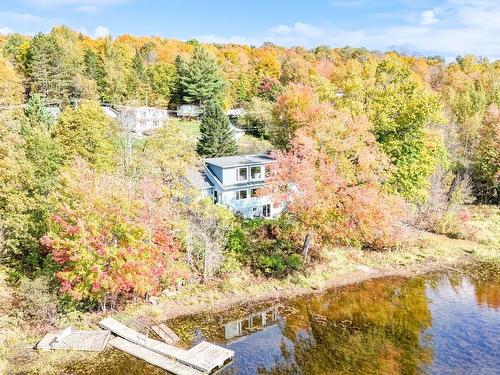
(428,27)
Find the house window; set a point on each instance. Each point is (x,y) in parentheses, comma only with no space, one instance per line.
(242,194)
(156,123)
(253,192)
(266,210)
(268,170)
(242,174)
(256,172)
(216,196)
(255,212)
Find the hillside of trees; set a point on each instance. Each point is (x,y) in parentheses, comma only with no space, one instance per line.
(367,144)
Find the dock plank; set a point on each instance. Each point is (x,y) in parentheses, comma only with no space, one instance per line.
(207,352)
(206,361)
(166,334)
(153,358)
(75,340)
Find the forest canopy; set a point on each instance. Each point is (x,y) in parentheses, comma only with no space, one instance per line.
(387,140)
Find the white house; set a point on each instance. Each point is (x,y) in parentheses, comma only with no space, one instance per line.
(142,120)
(234,181)
(189,110)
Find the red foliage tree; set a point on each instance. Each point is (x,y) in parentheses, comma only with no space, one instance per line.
(111,238)
(331,181)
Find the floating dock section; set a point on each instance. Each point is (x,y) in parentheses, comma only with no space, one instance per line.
(204,357)
(69,339)
(153,358)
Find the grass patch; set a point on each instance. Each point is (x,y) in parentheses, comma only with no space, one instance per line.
(191,128)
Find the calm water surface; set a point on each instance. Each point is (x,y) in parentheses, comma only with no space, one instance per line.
(436,324)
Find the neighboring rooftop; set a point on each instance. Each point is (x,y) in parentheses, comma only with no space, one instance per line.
(198,179)
(235,161)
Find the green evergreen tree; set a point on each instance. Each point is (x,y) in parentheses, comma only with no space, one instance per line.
(55,65)
(178,92)
(200,79)
(217,138)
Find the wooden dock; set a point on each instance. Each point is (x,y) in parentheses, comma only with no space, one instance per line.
(204,357)
(69,339)
(166,333)
(153,358)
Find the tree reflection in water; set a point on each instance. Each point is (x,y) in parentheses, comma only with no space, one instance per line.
(371,329)
(439,323)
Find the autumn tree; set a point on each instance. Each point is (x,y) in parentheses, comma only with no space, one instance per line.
(55,65)
(217,138)
(11,89)
(330,181)
(486,161)
(161,78)
(111,238)
(167,154)
(200,78)
(295,108)
(16,50)
(269,88)
(403,113)
(29,165)
(87,132)
(258,117)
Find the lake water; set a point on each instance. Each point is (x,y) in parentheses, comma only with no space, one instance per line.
(445,323)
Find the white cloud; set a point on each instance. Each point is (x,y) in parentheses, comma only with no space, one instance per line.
(456,27)
(20,17)
(427,17)
(82,30)
(27,23)
(101,32)
(5,30)
(211,38)
(281,29)
(84,6)
(298,29)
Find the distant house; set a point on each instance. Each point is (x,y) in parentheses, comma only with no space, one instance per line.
(189,110)
(234,181)
(55,110)
(236,112)
(141,120)
(195,110)
(110,111)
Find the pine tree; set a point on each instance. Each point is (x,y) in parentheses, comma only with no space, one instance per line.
(217,138)
(178,91)
(200,79)
(54,67)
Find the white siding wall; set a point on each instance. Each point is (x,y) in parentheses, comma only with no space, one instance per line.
(246,206)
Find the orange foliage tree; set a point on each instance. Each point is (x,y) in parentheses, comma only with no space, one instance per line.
(331,181)
(110,237)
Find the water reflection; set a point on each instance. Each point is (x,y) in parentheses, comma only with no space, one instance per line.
(437,324)
(251,323)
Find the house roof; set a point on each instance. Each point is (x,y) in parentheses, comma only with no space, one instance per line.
(198,179)
(111,112)
(236,161)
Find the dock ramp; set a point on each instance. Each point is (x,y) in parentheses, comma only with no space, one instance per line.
(204,357)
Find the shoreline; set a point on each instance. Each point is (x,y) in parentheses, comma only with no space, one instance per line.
(175,310)
(337,268)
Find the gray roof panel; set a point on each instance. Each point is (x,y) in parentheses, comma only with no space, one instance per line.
(198,179)
(236,161)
